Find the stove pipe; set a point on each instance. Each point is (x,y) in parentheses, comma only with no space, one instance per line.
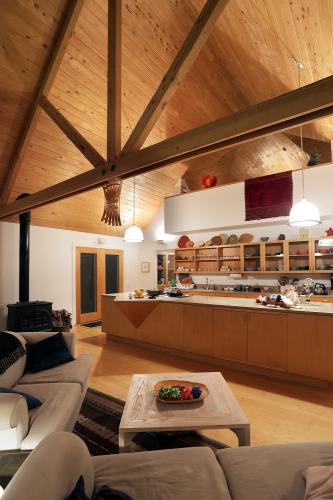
(24,253)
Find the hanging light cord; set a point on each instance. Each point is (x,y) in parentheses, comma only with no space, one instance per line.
(300,66)
(134,203)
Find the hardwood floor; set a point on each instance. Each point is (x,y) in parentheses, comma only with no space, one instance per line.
(279,411)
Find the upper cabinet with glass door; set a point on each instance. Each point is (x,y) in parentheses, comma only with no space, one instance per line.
(298,256)
(252,258)
(274,256)
(323,255)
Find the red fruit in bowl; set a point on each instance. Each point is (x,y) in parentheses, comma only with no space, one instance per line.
(186,393)
(208,181)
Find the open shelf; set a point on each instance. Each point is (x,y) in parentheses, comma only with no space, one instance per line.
(227,259)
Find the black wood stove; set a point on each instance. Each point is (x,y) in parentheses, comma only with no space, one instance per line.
(25,316)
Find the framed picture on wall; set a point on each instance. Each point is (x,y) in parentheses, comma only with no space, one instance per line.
(145,267)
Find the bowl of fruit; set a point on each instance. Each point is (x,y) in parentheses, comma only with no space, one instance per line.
(180,391)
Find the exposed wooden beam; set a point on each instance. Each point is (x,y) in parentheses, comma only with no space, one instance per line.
(114,80)
(281,113)
(67,25)
(73,135)
(187,54)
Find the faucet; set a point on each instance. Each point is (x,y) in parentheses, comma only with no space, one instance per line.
(211,282)
(207,285)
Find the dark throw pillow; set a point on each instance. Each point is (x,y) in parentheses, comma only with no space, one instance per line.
(32,402)
(78,493)
(47,353)
(106,493)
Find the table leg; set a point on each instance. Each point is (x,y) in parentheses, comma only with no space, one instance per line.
(125,439)
(243,435)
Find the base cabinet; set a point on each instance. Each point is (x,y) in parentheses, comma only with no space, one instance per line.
(163,326)
(230,334)
(310,346)
(267,339)
(296,343)
(198,330)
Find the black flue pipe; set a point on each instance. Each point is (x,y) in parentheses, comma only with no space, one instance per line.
(24,270)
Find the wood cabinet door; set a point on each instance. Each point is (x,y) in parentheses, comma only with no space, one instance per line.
(163,326)
(310,345)
(198,330)
(230,334)
(115,320)
(267,339)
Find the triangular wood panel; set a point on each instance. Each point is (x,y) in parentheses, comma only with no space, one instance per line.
(136,312)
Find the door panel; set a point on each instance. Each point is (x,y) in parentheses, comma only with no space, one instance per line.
(88,275)
(98,271)
(111,273)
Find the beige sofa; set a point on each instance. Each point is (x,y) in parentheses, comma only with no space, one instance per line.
(246,473)
(61,390)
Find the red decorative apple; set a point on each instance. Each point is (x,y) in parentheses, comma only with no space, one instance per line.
(208,181)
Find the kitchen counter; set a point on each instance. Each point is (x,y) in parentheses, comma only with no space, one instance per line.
(229,331)
(228,302)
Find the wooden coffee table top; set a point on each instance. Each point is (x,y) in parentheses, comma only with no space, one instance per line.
(143,412)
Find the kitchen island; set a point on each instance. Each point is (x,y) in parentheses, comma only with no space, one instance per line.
(229,331)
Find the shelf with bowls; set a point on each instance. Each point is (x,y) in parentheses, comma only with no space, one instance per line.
(295,256)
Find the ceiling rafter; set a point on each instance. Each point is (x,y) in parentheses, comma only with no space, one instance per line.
(178,69)
(281,113)
(92,155)
(67,25)
(183,61)
(114,80)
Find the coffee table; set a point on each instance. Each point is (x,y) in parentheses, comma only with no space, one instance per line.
(143,413)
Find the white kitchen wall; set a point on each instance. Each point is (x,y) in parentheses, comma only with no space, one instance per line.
(224,206)
(52,264)
(150,246)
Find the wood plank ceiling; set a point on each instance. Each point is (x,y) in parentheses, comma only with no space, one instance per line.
(250,57)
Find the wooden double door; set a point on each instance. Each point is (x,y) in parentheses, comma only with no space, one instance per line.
(98,271)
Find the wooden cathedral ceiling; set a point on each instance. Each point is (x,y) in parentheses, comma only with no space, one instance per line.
(250,57)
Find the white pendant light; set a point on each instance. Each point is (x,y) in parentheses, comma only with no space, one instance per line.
(133,234)
(304,213)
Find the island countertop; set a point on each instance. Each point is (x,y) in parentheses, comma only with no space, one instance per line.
(322,308)
(229,331)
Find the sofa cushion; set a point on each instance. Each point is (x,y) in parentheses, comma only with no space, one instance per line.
(51,471)
(47,353)
(34,337)
(32,402)
(272,472)
(181,474)
(16,369)
(76,371)
(319,482)
(60,403)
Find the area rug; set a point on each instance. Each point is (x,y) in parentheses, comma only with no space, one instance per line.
(98,424)
(91,324)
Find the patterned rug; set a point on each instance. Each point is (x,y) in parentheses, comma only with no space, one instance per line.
(99,421)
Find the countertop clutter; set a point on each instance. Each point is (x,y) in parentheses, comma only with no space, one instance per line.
(228,302)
